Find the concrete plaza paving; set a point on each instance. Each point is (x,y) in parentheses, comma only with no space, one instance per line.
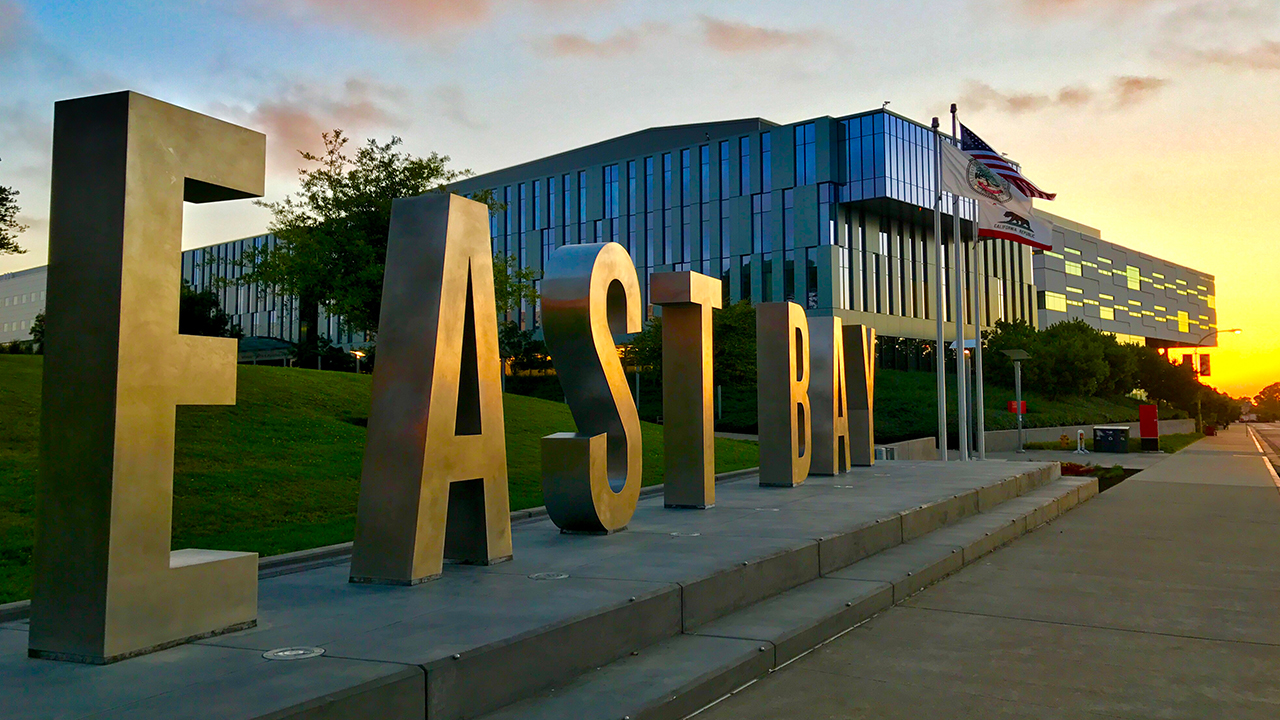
(1134,461)
(1158,599)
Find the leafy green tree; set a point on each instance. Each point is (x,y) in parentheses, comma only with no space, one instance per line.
(332,234)
(734,345)
(1267,403)
(997,368)
(522,348)
(200,313)
(10,228)
(512,284)
(37,333)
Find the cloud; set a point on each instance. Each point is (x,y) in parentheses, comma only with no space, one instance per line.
(1123,92)
(625,41)
(294,117)
(12,21)
(1131,90)
(411,18)
(734,37)
(1263,56)
(454,106)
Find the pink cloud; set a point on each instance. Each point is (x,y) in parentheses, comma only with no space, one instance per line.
(12,20)
(1263,56)
(625,41)
(403,17)
(294,118)
(735,37)
(1123,92)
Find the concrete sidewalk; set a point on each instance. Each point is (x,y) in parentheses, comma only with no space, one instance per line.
(1159,599)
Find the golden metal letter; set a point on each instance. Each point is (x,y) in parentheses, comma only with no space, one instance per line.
(782,369)
(591,479)
(106,584)
(434,483)
(688,410)
(829,396)
(860,366)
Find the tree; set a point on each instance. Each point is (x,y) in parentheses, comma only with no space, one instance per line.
(1267,402)
(332,234)
(1016,335)
(37,333)
(512,284)
(200,313)
(10,228)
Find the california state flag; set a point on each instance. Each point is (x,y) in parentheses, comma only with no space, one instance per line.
(1004,212)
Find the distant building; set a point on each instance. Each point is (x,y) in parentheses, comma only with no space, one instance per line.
(1136,296)
(21,299)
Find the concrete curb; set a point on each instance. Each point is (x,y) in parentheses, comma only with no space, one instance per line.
(295,562)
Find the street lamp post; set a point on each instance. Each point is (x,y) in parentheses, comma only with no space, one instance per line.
(358,355)
(1017,356)
(1200,343)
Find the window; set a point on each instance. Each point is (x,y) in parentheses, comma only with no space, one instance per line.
(651,217)
(565,212)
(726,172)
(1053,301)
(806,155)
(686,177)
(668,220)
(1073,268)
(788,219)
(704,177)
(633,239)
(1184,322)
(744,280)
(610,191)
(582,199)
(761,210)
(766,162)
(1134,277)
(744,167)
(551,202)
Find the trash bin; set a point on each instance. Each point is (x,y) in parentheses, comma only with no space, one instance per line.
(1111,439)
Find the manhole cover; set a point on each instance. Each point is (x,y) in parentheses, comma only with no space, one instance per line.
(685,534)
(293,653)
(549,576)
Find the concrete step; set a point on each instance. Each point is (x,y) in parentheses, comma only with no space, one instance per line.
(678,676)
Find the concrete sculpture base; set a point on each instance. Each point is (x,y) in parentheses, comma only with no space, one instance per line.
(481,638)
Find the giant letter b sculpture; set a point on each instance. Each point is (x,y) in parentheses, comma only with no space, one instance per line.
(591,479)
(782,372)
(434,483)
(106,584)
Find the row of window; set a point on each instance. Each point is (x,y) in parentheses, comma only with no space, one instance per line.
(24,298)
(15,326)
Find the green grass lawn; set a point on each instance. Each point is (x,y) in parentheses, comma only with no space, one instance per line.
(277,472)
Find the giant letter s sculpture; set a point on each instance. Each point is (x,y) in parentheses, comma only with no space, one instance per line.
(106,584)
(591,479)
(782,371)
(434,483)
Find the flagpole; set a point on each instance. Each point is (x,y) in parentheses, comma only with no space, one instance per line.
(979,303)
(962,376)
(940,354)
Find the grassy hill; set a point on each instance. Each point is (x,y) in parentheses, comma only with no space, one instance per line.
(277,472)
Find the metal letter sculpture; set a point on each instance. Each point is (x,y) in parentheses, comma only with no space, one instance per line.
(107,586)
(434,482)
(782,370)
(829,397)
(688,411)
(860,374)
(591,479)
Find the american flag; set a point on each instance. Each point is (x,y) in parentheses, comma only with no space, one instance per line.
(983,153)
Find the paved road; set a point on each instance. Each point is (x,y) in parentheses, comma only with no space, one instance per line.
(1158,599)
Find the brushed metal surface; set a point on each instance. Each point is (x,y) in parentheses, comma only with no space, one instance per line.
(107,585)
(829,397)
(591,478)
(782,371)
(688,407)
(434,480)
(860,369)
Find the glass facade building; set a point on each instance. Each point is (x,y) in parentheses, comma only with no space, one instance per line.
(835,214)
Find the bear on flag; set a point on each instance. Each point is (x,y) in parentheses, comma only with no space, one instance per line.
(1004,206)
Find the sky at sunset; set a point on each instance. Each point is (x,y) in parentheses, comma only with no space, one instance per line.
(1153,120)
